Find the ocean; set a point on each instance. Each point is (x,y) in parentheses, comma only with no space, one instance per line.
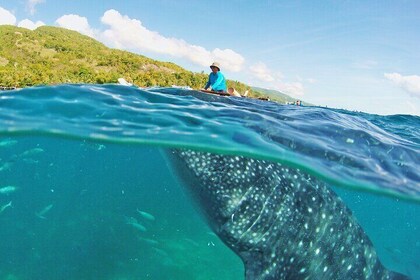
(86,191)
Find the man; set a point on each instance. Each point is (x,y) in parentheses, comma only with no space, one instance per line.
(217,81)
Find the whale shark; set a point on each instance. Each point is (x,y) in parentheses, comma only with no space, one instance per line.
(282,222)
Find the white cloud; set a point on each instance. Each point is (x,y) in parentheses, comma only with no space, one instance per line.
(274,80)
(261,71)
(294,89)
(76,23)
(128,33)
(31,5)
(26,23)
(410,84)
(6,17)
(228,58)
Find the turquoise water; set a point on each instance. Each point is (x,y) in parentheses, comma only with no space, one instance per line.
(92,196)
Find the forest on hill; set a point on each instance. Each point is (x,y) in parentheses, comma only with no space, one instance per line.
(52,55)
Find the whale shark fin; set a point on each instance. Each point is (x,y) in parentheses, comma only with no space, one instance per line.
(398,276)
(254,267)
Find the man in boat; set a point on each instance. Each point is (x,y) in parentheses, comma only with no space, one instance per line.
(217,81)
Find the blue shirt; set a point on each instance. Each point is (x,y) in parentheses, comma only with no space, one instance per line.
(217,81)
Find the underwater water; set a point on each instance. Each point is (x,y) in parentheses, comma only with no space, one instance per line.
(86,191)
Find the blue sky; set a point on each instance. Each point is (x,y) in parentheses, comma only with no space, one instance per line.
(356,55)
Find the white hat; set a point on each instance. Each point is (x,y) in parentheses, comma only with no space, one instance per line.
(215,64)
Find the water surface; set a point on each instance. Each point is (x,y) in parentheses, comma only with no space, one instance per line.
(95,199)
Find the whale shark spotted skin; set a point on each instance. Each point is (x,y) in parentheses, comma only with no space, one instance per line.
(282,222)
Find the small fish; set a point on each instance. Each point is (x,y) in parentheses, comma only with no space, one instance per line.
(146,215)
(134,223)
(30,161)
(100,147)
(41,214)
(8,143)
(149,241)
(6,166)
(140,227)
(392,250)
(4,207)
(31,152)
(93,146)
(192,242)
(161,252)
(8,189)
(212,234)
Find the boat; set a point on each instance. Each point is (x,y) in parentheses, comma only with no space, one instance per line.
(7,88)
(223,93)
(182,87)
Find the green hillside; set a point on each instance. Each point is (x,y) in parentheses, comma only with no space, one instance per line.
(277,95)
(274,95)
(52,55)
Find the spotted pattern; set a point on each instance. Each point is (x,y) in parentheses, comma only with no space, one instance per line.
(282,222)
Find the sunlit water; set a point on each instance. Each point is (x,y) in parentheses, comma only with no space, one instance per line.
(85,192)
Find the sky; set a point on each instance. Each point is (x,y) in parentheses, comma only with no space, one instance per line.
(350,54)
